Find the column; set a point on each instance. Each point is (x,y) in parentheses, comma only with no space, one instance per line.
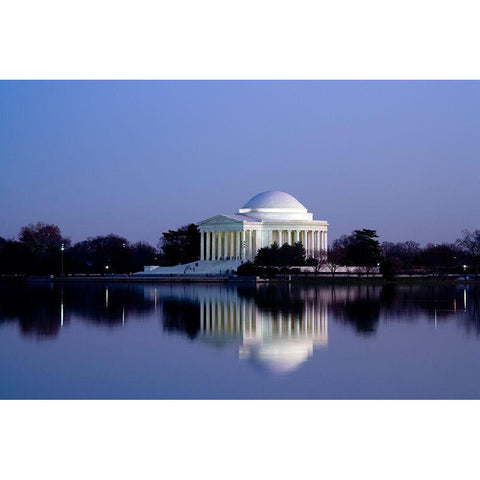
(249,245)
(289,239)
(231,252)
(243,245)
(245,241)
(253,241)
(237,244)
(207,256)
(250,240)
(219,245)
(297,236)
(202,245)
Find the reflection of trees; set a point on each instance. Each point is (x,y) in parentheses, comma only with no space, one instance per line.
(276,300)
(40,309)
(107,304)
(363,305)
(36,309)
(472,321)
(181,316)
(360,309)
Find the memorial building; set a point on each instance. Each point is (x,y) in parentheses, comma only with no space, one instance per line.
(227,241)
(266,218)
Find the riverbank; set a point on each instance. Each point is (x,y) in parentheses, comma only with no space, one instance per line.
(297,278)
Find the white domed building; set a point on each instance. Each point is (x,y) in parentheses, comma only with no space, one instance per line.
(266,218)
(228,240)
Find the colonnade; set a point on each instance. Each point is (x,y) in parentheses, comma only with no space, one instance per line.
(244,244)
(312,240)
(228,244)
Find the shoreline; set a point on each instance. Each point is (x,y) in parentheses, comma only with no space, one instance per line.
(296,279)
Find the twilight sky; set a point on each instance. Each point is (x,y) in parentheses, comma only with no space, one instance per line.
(136,158)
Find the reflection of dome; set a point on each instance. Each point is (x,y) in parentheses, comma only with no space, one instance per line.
(274,204)
(279,357)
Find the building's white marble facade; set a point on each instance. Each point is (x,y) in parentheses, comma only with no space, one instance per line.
(266,218)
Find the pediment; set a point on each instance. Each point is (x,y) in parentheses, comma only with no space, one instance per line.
(221,220)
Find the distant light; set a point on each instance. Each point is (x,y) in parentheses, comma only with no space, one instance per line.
(106,267)
(464,267)
(62,248)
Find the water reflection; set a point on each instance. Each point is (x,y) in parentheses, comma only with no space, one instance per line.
(274,327)
(275,333)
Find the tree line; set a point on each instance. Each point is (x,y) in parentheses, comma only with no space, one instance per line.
(42,249)
(362,251)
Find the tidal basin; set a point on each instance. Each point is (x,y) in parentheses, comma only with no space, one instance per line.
(196,341)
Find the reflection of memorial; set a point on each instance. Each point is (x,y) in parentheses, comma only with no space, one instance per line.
(279,341)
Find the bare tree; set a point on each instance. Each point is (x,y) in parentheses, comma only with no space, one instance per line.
(366,270)
(470,244)
(318,260)
(335,257)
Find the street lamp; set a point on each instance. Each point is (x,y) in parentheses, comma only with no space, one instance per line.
(62,249)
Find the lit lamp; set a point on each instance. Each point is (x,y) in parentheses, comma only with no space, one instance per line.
(464,268)
(62,249)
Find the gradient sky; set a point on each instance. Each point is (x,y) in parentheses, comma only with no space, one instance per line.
(137,158)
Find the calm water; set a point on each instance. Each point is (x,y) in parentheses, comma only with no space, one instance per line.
(218,341)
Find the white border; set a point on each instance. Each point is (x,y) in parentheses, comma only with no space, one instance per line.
(238,440)
(185,39)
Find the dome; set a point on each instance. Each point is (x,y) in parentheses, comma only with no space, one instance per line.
(275,206)
(274,199)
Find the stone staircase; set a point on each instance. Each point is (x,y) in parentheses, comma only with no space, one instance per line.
(202,267)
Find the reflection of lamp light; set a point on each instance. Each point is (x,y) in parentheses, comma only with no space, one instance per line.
(61,308)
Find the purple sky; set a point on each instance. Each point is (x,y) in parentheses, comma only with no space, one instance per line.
(136,158)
